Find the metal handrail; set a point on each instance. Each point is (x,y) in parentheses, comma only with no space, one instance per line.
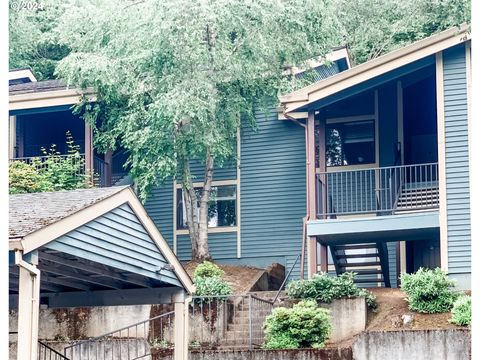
(56,354)
(213,318)
(286,279)
(379,190)
(374,168)
(110,335)
(41,157)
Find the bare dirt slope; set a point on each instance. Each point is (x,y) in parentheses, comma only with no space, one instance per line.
(240,278)
(391,307)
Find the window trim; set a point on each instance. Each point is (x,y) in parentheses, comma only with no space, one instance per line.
(347,119)
(211,230)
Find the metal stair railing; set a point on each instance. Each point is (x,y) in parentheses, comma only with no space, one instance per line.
(230,321)
(135,341)
(45,352)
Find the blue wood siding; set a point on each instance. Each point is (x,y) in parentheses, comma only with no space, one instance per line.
(227,172)
(392,262)
(159,206)
(273,191)
(456,160)
(117,239)
(222,246)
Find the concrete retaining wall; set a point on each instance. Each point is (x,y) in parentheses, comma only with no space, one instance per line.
(349,317)
(80,323)
(452,344)
(299,354)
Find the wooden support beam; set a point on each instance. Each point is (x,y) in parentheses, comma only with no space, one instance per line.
(43,286)
(108,167)
(63,272)
(65,282)
(89,149)
(180,327)
(94,269)
(108,297)
(12,138)
(28,308)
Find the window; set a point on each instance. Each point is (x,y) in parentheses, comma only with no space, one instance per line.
(350,143)
(222,207)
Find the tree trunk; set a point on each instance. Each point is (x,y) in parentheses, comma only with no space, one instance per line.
(197,210)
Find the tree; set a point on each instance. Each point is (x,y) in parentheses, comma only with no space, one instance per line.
(32,40)
(372,28)
(174,80)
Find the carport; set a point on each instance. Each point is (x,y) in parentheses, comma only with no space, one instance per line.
(89,247)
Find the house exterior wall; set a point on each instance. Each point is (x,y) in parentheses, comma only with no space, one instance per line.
(272,197)
(273,190)
(457,164)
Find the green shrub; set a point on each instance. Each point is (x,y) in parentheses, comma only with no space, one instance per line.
(25,178)
(462,311)
(428,291)
(370,298)
(212,286)
(208,269)
(208,281)
(305,325)
(52,172)
(324,288)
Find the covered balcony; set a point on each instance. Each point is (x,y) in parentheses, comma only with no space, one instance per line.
(377,156)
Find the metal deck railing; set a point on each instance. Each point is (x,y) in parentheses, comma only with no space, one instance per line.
(381,191)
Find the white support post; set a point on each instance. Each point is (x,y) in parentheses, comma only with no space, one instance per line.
(12,137)
(180,328)
(28,307)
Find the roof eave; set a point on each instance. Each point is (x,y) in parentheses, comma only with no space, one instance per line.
(15,244)
(298,99)
(50,98)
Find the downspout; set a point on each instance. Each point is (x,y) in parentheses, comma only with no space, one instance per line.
(307,216)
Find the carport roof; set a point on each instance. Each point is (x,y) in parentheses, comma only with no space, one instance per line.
(31,212)
(100,241)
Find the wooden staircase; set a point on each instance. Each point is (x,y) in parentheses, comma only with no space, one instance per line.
(415,197)
(368,260)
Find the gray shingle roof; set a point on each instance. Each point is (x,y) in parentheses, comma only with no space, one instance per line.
(31,212)
(36,86)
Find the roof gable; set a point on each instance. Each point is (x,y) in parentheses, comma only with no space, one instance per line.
(85,226)
(118,239)
(300,99)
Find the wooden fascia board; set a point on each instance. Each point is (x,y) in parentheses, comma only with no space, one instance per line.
(53,231)
(49,98)
(294,115)
(15,244)
(21,74)
(373,68)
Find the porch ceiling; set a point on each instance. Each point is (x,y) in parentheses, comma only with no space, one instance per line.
(414,226)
